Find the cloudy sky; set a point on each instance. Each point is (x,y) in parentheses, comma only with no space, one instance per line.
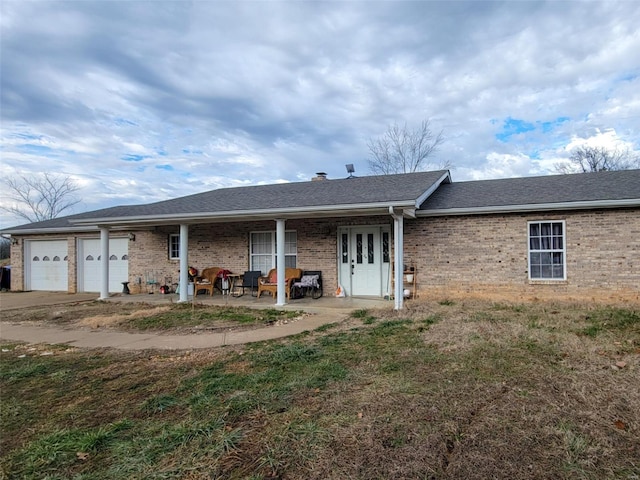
(144,101)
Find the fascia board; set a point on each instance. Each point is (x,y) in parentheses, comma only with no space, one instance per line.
(420,200)
(237,215)
(34,231)
(630,202)
(409,212)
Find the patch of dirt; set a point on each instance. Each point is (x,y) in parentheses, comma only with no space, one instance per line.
(102,320)
(117,316)
(72,313)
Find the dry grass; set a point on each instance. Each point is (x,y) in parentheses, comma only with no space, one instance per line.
(470,390)
(111,320)
(174,318)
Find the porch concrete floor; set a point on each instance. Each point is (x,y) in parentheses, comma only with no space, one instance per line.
(12,300)
(307,304)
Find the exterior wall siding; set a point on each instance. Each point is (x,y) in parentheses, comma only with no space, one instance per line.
(17,266)
(225,246)
(455,256)
(486,256)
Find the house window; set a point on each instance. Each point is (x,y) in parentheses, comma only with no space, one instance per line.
(547,251)
(174,246)
(263,250)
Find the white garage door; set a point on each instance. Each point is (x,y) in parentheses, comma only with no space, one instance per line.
(89,264)
(47,265)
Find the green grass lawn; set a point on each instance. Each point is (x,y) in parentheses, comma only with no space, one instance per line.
(444,391)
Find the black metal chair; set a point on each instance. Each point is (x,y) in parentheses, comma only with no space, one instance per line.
(250,281)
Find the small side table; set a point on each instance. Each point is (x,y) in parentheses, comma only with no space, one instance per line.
(232,279)
(125,288)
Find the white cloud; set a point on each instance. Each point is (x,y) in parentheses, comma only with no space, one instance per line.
(234,93)
(500,165)
(608,139)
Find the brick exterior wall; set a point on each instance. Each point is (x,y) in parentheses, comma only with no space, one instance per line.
(17,262)
(486,256)
(456,256)
(227,246)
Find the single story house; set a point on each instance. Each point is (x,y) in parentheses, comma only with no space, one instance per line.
(559,236)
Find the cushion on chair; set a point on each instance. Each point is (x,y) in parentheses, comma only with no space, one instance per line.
(274,277)
(309,281)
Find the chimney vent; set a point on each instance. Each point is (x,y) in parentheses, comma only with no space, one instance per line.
(319,176)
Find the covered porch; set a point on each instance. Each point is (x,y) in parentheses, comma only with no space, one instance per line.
(358,254)
(326,303)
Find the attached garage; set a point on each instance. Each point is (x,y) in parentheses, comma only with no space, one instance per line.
(89,256)
(47,265)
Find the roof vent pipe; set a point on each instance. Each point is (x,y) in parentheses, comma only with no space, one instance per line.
(319,176)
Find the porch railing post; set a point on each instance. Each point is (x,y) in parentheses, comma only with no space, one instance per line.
(184,263)
(398,255)
(280,261)
(104,263)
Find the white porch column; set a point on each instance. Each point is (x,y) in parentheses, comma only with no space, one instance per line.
(280,263)
(398,256)
(184,263)
(104,263)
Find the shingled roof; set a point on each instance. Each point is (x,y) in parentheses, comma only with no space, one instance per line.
(553,192)
(356,195)
(369,195)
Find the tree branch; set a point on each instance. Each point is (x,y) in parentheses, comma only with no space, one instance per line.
(401,150)
(40,198)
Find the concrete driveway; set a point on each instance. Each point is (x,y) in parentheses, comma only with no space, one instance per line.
(13,300)
(324,311)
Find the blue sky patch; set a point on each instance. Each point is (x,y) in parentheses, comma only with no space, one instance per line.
(26,136)
(130,157)
(168,168)
(549,126)
(38,149)
(124,122)
(514,126)
(627,77)
(191,151)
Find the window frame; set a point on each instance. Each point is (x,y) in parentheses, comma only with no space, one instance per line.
(174,238)
(552,249)
(273,252)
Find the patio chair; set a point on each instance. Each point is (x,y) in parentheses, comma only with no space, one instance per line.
(151,280)
(269,283)
(250,281)
(206,281)
(310,284)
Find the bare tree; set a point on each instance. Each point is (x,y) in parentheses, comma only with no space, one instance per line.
(401,150)
(597,159)
(42,197)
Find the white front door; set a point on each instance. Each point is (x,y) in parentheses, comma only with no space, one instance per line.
(364,260)
(89,273)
